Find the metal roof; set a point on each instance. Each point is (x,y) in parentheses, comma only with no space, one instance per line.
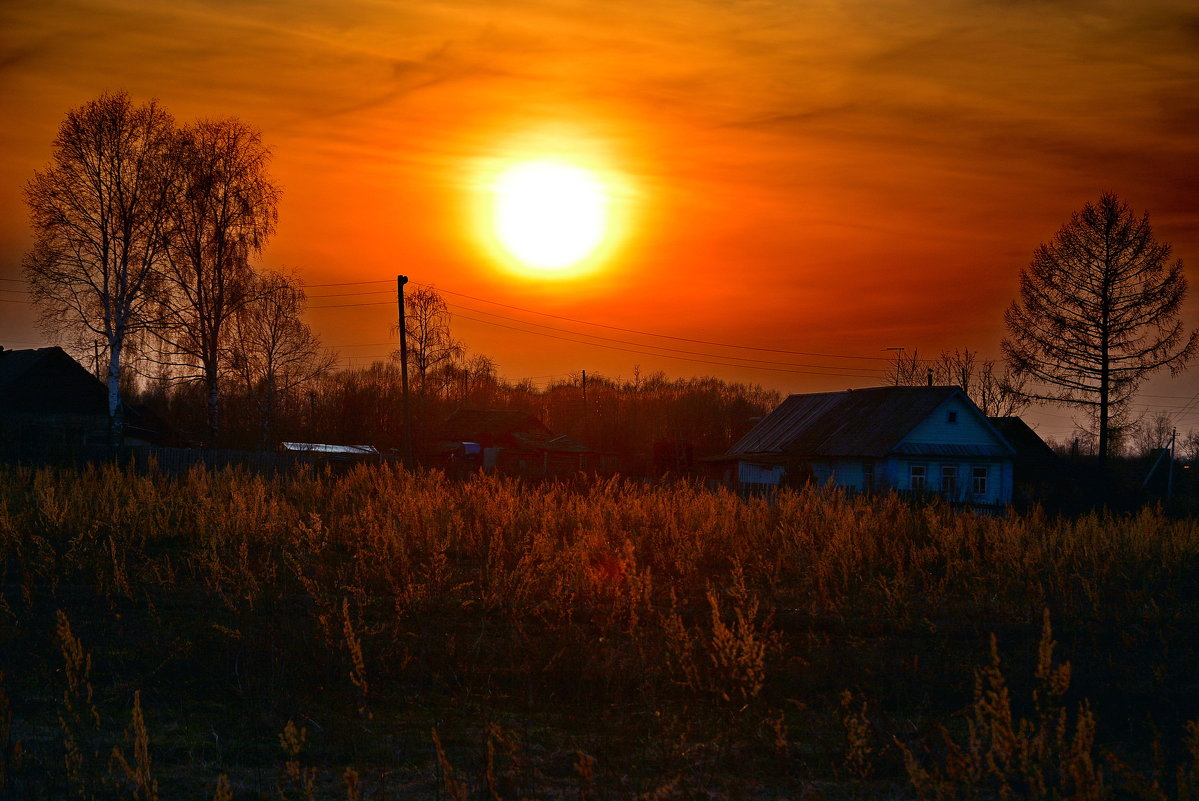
(858,422)
(344,450)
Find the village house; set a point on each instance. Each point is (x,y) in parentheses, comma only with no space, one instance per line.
(918,440)
(49,401)
(51,405)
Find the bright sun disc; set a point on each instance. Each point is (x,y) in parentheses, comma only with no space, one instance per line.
(550,215)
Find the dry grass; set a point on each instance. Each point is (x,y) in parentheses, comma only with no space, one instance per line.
(600,640)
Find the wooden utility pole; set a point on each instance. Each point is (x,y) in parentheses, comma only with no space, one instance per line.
(1170,475)
(409,456)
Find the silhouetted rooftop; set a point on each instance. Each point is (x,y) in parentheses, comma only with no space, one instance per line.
(859,422)
(48,381)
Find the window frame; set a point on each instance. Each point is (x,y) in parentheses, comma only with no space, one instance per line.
(980,473)
(953,472)
(923,475)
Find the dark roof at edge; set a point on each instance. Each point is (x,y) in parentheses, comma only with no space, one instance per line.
(48,381)
(15,363)
(858,422)
(1028,444)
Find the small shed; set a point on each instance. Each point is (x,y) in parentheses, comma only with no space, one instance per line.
(916,440)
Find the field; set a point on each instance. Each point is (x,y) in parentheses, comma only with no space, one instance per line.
(390,635)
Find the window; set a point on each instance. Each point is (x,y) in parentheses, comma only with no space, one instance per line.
(917,477)
(949,480)
(867,476)
(953,417)
(979,483)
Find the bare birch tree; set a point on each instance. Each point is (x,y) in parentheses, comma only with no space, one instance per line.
(99,213)
(224,213)
(273,351)
(430,343)
(1098,311)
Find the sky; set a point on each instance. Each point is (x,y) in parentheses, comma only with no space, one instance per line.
(832,177)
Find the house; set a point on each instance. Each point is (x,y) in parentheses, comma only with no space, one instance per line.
(931,440)
(49,401)
(509,441)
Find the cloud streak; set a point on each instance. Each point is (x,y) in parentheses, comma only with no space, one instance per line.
(889,158)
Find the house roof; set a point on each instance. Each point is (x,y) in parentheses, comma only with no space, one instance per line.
(341,450)
(48,381)
(1028,444)
(860,422)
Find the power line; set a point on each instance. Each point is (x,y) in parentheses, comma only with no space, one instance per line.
(660,355)
(574,320)
(621,341)
(355,283)
(352,294)
(644,345)
(352,305)
(653,334)
(363,345)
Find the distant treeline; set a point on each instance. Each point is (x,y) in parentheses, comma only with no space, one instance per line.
(695,417)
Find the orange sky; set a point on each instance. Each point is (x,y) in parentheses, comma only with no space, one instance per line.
(830,177)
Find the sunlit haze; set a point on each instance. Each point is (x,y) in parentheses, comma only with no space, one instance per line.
(549,215)
(820,181)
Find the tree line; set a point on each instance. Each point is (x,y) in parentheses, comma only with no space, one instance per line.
(144,235)
(631,418)
(144,231)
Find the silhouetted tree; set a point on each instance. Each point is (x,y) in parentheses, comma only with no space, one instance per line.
(907,370)
(1153,433)
(272,350)
(1188,446)
(996,394)
(430,342)
(1098,311)
(470,382)
(99,214)
(224,212)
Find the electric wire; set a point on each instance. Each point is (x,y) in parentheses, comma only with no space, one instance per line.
(654,334)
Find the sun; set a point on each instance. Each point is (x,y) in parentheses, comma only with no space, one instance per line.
(550,215)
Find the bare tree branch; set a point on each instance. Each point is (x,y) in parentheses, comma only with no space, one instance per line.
(1097,313)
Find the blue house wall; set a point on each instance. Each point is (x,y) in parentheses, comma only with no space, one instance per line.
(960,456)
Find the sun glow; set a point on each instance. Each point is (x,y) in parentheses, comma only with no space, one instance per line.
(550,215)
